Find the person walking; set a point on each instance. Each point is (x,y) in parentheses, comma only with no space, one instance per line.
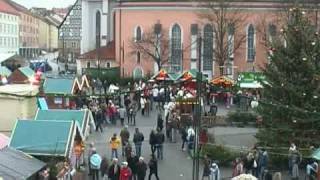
(153,141)
(159,122)
(142,104)
(184,135)
(95,163)
(160,140)
(262,163)
(125,172)
(114,170)
(104,167)
(99,120)
(214,172)
(122,113)
(206,168)
(132,163)
(114,144)
(153,167)
(141,169)
(90,152)
(138,138)
(190,139)
(125,135)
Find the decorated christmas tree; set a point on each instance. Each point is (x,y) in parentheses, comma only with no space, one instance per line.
(290,105)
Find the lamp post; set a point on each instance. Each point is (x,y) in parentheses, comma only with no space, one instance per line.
(197,117)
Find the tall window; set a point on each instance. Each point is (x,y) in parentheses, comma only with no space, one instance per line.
(138,57)
(230,42)
(138,33)
(176,53)
(207,47)
(250,44)
(272,29)
(98,29)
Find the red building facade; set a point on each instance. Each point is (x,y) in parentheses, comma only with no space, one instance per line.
(177,19)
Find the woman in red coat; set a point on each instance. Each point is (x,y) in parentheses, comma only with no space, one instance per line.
(125,172)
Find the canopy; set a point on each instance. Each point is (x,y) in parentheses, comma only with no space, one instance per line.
(223,81)
(41,137)
(316,154)
(17,165)
(251,80)
(244,177)
(163,75)
(190,75)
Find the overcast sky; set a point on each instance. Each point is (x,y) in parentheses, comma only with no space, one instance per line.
(45,3)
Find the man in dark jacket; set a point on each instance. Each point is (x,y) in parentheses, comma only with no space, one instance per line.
(153,141)
(153,166)
(160,140)
(132,163)
(141,169)
(138,138)
(99,120)
(114,170)
(159,122)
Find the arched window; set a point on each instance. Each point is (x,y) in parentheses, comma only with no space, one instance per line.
(138,57)
(138,34)
(272,32)
(207,47)
(176,53)
(230,31)
(250,43)
(137,73)
(98,29)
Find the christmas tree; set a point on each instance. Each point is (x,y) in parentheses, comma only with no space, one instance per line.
(290,105)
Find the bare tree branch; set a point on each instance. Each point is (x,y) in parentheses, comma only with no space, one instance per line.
(220,16)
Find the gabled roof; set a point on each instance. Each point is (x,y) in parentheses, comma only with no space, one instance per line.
(107,52)
(4,71)
(47,138)
(82,81)
(28,72)
(59,85)
(6,7)
(65,115)
(18,165)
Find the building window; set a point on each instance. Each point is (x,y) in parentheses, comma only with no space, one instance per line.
(108,65)
(272,30)
(98,28)
(138,33)
(208,48)
(138,57)
(250,43)
(230,42)
(176,52)
(88,64)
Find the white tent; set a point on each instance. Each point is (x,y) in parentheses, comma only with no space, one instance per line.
(245,177)
(113,88)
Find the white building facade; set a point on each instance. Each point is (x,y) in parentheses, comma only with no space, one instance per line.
(96,24)
(9,32)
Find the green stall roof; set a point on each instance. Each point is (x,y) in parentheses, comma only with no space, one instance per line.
(28,72)
(58,86)
(4,71)
(48,138)
(65,115)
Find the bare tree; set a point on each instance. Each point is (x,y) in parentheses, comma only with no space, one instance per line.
(152,44)
(228,31)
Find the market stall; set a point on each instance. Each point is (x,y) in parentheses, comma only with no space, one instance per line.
(221,91)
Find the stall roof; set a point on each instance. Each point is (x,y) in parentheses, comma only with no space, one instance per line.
(19,89)
(316,154)
(6,56)
(4,71)
(47,138)
(192,73)
(28,72)
(82,117)
(18,165)
(59,85)
(42,103)
(163,75)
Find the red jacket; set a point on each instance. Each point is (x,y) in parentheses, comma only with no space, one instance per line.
(125,173)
